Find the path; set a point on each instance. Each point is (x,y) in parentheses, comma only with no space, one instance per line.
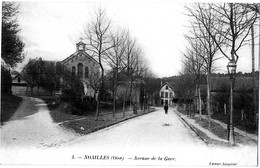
(32,127)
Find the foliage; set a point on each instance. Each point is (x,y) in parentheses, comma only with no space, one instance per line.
(185,87)
(12,45)
(243,98)
(48,75)
(30,73)
(238,74)
(221,98)
(71,85)
(6,81)
(151,84)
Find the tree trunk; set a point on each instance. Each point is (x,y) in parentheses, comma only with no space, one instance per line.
(114,103)
(130,94)
(97,109)
(208,100)
(32,91)
(144,101)
(114,99)
(115,72)
(124,106)
(200,104)
(196,98)
(225,108)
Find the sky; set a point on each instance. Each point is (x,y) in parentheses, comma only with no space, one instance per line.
(51,30)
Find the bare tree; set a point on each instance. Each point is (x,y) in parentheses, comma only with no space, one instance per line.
(130,62)
(236,21)
(228,21)
(201,15)
(194,64)
(99,39)
(114,58)
(184,85)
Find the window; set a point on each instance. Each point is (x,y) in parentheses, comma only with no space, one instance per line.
(161,94)
(86,72)
(166,87)
(166,94)
(19,79)
(170,94)
(73,71)
(80,70)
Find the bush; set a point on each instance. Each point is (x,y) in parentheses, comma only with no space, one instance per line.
(6,81)
(83,108)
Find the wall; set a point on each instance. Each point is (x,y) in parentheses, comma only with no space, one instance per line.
(167,92)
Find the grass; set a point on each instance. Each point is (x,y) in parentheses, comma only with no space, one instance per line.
(85,124)
(219,131)
(89,124)
(9,105)
(238,123)
(243,125)
(222,133)
(58,114)
(211,142)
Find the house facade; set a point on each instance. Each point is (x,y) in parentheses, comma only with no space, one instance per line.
(19,85)
(82,64)
(166,94)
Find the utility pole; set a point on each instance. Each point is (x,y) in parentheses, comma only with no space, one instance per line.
(254,77)
(258,64)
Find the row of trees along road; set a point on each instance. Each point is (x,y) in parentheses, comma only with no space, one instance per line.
(216,31)
(11,44)
(116,49)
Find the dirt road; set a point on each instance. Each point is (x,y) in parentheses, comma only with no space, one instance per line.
(32,127)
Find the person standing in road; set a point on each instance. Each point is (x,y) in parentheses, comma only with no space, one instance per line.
(166,108)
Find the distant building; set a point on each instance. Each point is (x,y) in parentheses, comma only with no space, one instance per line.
(19,85)
(166,94)
(82,64)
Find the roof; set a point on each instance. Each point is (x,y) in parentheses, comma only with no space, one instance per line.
(76,54)
(80,43)
(22,82)
(169,84)
(16,76)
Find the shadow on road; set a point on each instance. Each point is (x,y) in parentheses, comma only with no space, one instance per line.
(9,105)
(14,108)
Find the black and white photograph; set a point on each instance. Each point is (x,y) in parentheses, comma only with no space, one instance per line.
(130,83)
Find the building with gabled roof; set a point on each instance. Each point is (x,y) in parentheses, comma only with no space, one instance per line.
(19,85)
(82,64)
(167,94)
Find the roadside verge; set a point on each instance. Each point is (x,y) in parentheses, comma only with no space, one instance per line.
(87,124)
(216,134)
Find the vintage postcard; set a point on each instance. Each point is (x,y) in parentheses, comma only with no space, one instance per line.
(129,83)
